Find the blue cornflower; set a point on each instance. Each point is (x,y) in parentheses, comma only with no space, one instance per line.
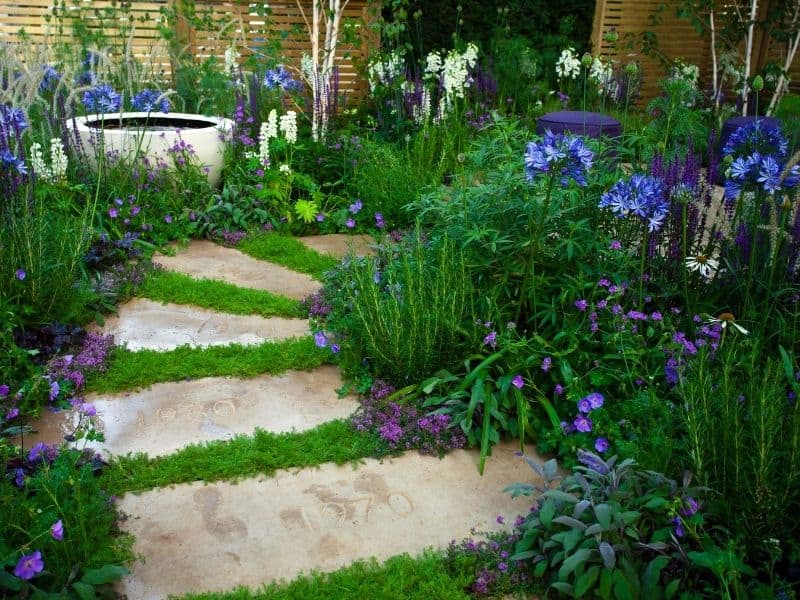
(150,101)
(280,78)
(641,195)
(101,99)
(561,154)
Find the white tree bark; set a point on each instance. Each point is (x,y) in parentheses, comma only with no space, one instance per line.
(748,55)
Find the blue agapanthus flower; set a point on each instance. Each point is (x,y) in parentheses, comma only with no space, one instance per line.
(280,78)
(12,120)
(13,163)
(151,101)
(556,153)
(758,136)
(641,196)
(101,99)
(50,79)
(758,155)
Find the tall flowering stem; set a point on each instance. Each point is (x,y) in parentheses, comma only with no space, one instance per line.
(558,157)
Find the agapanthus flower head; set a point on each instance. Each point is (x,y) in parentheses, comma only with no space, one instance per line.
(12,120)
(50,79)
(151,101)
(759,136)
(101,99)
(559,154)
(641,196)
(280,78)
(10,162)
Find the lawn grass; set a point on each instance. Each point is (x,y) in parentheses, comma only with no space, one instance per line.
(262,453)
(168,286)
(289,252)
(134,370)
(403,577)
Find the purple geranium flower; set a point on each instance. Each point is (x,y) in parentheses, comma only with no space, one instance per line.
(595,399)
(21,274)
(29,565)
(601,444)
(320,339)
(350,223)
(582,423)
(518,382)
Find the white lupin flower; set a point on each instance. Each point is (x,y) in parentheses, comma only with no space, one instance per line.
(601,73)
(385,72)
(263,143)
(40,168)
(272,125)
(433,66)
(568,65)
(284,168)
(58,160)
(288,126)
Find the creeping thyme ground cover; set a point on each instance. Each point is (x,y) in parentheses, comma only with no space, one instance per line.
(603,299)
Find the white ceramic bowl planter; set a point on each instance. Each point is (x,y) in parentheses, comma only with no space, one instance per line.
(153,134)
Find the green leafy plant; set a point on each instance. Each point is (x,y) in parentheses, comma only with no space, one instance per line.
(609,530)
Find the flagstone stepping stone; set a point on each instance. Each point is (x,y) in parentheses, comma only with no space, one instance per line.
(213,537)
(202,258)
(340,244)
(147,325)
(169,416)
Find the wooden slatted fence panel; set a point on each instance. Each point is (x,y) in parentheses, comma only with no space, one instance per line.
(677,39)
(242,23)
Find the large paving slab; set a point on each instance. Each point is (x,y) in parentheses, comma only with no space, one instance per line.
(205,259)
(168,416)
(213,537)
(147,325)
(340,244)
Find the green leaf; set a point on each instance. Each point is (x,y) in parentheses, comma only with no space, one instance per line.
(105,574)
(562,496)
(540,568)
(586,581)
(606,580)
(84,590)
(671,589)
(622,590)
(603,514)
(572,562)
(652,575)
(547,512)
(9,582)
(575,524)
(487,427)
(564,588)
(655,502)
(476,398)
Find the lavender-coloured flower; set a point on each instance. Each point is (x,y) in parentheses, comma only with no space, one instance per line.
(601,444)
(12,414)
(379,222)
(584,406)
(615,245)
(595,400)
(57,530)
(12,120)
(559,154)
(517,381)
(20,274)
(29,565)
(101,99)
(4,390)
(355,207)
(581,304)
(19,478)
(151,101)
(50,79)
(350,223)
(758,136)
(547,363)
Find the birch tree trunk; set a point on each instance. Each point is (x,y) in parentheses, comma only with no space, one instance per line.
(748,55)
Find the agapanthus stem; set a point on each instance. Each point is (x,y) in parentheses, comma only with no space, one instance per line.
(645,250)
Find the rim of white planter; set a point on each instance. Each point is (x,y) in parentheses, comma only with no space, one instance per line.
(206,135)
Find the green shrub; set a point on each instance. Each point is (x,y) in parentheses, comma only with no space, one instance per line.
(413,315)
(742,424)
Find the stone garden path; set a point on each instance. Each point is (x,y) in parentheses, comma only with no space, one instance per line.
(215,536)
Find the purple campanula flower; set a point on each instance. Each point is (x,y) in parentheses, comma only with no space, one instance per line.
(335,348)
(584,406)
(19,478)
(601,444)
(581,304)
(547,363)
(168,219)
(57,530)
(4,389)
(679,530)
(113,212)
(320,217)
(355,207)
(320,339)
(350,223)
(558,390)
(29,565)
(518,382)
(379,222)
(12,414)
(615,245)
(20,274)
